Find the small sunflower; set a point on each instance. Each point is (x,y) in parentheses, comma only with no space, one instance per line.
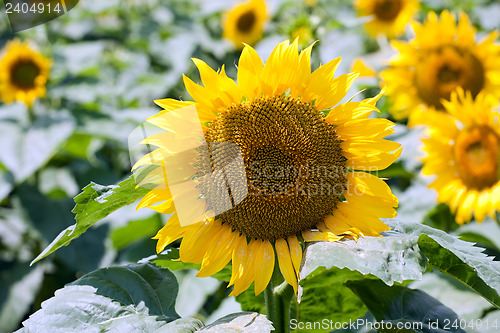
(302,31)
(463,152)
(23,73)
(245,23)
(275,115)
(390,17)
(443,56)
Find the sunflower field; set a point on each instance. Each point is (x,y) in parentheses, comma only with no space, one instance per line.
(250,166)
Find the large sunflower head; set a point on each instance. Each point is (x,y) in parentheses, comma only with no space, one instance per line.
(463,153)
(443,57)
(389,17)
(284,164)
(23,73)
(245,23)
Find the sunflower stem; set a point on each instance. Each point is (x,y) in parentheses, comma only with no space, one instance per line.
(278,295)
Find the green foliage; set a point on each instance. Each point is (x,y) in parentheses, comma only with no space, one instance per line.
(459,259)
(135,284)
(126,298)
(403,255)
(93,204)
(250,302)
(135,230)
(440,217)
(134,298)
(325,296)
(28,146)
(398,304)
(20,279)
(464,262)
(391,259)
(240,322)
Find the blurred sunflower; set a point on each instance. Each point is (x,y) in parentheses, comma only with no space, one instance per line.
(463,152)
(275,116)
(303,31)
(23,73)
(245,23)
(390,17)
(442,57)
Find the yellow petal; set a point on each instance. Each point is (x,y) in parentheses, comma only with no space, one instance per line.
(285,263)
(483,206)
(219,252)
(317,236)
(249,70)
(280,69)
(246,270)
(238,259)
(196,238)
(345,112)
(264,257)
(169,104)
(295,252)
(364,71)
(169,233)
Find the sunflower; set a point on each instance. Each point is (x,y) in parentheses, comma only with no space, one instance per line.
(443,56)
(23,73)
(303,31)
(302,156)
(389,17)
(462,151)
(245,23)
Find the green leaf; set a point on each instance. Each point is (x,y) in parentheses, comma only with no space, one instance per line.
(27,147)
(440,217)
(325,296)
(194,292)
(486,233)
(391,259)
(250,302)
(240,322)
(134,284)
(136,230)
(465,302)
(80,308)
(20,284)
(181,325)
(465,263)
(135,298)
(93,204)
(414,309)
(459,259)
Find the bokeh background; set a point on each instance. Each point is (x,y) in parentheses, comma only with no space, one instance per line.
(109,61)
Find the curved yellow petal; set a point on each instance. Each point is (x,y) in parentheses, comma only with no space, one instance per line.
(317,236)
(285,263)
(238,260)
(264,255)
(249,71)
(169,233)
(295,252)
(247,271)
(219,252)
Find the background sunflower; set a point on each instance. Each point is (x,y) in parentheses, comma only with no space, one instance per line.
(462,151)
(443,55)
(388,17)
(23,73)
(245,23)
